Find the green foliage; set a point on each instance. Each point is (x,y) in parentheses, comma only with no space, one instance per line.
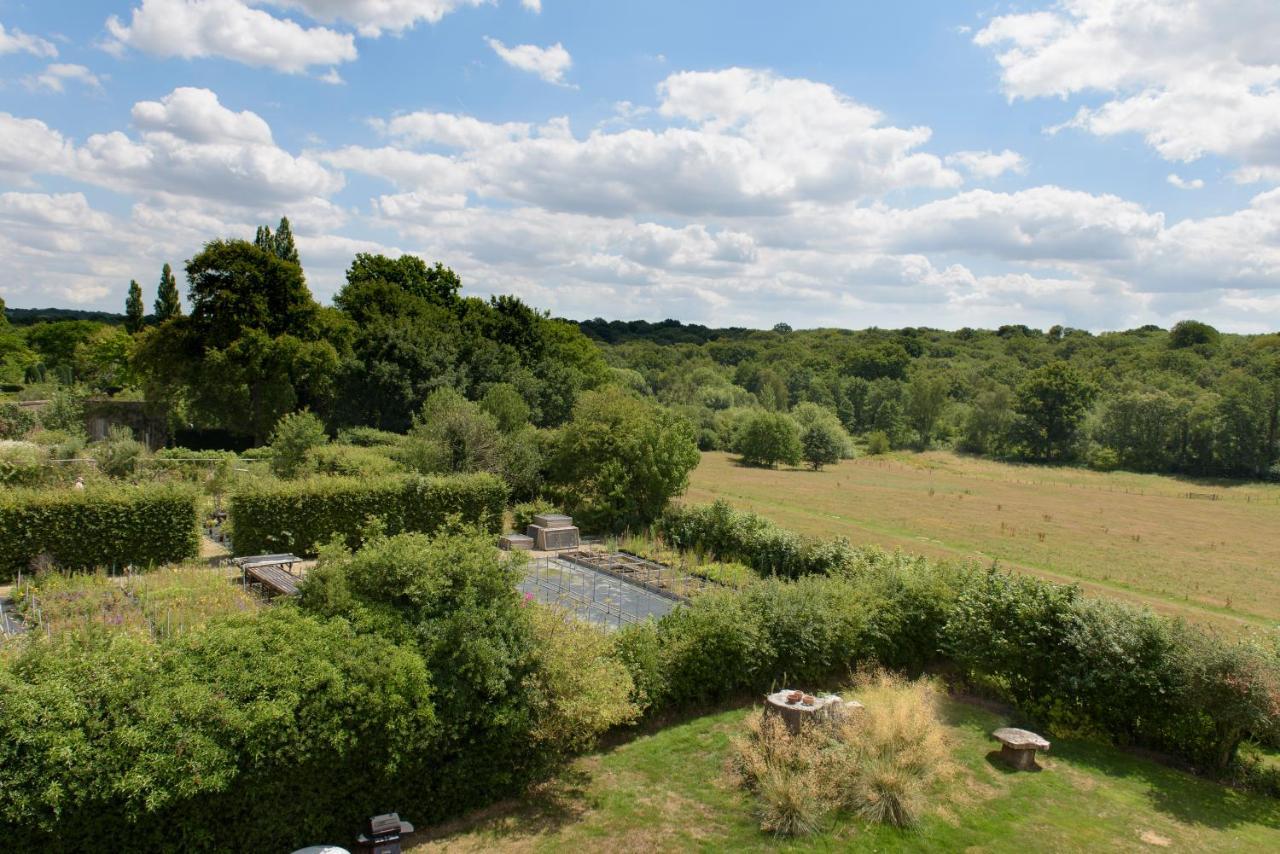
(118,455)
(507,406)
(1051,404)
(168,301)
(97,527)
(821,445)
(522,514)
(351,461)
(21,464)
(618,462)
(134,312)
(302,515)
(294,436)
(65,411)
(878,443)
(369,437)
(15,421)
(411,274)
(1192,333)
(452,434)
(769,438)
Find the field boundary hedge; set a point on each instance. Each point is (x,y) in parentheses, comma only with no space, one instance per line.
(302,515)
(102,526)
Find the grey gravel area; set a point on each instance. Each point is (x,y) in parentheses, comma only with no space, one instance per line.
(592,596)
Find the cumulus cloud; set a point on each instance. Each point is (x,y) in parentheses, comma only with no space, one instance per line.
(1193,77)
(986,165)
(534,6)
(549,63)
(194,29)
(56,75)
(1184,184)
(374,17)
(16,41)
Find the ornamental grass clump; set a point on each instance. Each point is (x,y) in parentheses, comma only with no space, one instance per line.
(881,763)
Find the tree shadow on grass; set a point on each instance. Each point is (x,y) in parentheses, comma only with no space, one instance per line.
(1176,793)
(544,809)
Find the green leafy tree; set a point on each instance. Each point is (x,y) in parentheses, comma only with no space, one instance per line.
(295,435)
(282,244)
(769,438)
(118,454)
(620,459)
(134,313)
(821,445)
(1141,426)
(507,406)
(453,434)
(1192,333)
(1051,404)
(926,400)
(437,284)
(168,301)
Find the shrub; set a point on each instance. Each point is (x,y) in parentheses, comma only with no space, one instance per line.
(189,465)
(98,527)
(21,464)
(65,411)
(522,514)
(508,407)
(300,516)
(295,434)
(878,443)
(119,453)
(351,461)
(369,437)
(821,446)
(15,421)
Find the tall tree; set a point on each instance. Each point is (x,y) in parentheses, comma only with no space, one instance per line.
(264,240)
(168,302)
(134,313)
(283,244)
(1052,403)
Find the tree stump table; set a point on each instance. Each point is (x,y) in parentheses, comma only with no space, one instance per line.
(796,707)
(1019,746)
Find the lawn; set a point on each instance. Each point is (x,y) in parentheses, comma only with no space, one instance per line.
(1208,551)
(669,790)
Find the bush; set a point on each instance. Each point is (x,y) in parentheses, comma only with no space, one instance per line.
(351,461)
(300,516)
(821,446)
(369,437)
(193,466)
(522,514)
(118,454)
(21,464)
(98,527)
(15,421)
(295,434)
(65,411)
(878,443)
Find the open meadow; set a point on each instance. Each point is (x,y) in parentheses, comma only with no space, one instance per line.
(1205,550)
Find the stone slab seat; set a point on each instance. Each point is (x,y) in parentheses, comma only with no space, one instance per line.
(1019,746)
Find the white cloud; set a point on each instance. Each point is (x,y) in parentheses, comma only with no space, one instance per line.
(450,129)
(986,165)
(196,115)
(16,41)
(374,17)
(55,76)
(549,63)
(534,6)
(193,29)
(1193,77)
(332,77)
(1184,184)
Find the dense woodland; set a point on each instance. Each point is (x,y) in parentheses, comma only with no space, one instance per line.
(252,344)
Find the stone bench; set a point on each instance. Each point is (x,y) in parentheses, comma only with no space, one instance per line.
(1019,746)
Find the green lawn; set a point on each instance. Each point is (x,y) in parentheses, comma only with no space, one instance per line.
(669,790)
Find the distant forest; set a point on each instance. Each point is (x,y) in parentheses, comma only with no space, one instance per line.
(251,344)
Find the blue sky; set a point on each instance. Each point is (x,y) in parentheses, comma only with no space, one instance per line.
(1095,164)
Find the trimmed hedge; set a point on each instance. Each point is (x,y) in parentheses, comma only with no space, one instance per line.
(102,526)
(300,516)
(731,535)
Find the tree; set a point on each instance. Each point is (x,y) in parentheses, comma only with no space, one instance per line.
(453,434)
(507,406)
(134,313)
(1192,333)
(620,459)
(926,400)
(821,445)
(1051,405)
(770,438)
(295,434)
(282,244)
(1141,425)
(437,284)
(168,302)
(235,285)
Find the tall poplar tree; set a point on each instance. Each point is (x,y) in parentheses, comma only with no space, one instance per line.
(283,245)
(133,310)
(168,303)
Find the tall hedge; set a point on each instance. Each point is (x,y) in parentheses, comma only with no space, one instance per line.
(299,516)
(102,526)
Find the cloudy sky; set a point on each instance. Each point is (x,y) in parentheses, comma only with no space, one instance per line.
(1095,163)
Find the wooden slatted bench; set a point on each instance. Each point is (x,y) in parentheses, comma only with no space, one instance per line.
(273,572)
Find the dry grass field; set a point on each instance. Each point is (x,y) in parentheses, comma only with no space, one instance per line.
(1208,551)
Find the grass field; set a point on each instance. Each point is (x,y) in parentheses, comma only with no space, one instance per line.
(670,790)
(1209,551)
